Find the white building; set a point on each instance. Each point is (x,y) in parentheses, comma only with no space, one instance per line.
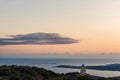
(83,70)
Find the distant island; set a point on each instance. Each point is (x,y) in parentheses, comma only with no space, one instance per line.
(109,67)
(15,72)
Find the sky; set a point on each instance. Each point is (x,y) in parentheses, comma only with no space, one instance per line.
(59,26)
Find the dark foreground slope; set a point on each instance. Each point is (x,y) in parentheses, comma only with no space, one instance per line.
(14,72)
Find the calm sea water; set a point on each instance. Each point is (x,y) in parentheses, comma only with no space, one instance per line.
(50,63)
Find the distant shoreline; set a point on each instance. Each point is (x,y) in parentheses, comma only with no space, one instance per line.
(109,67)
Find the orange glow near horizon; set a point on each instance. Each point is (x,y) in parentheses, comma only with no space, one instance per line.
(82,47)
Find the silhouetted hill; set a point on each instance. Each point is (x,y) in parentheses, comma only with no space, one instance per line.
(14,72)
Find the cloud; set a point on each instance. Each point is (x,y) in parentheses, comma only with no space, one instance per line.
(37,39)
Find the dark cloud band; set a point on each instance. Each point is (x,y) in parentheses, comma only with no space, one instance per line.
(37,39)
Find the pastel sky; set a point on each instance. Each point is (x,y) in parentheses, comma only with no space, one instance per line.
(95,23)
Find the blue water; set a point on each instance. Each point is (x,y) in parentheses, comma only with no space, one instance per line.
(50,63)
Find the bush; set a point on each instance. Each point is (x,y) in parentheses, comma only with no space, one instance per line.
(14,77)
(28,77)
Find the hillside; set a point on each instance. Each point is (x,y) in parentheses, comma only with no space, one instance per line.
(15,72)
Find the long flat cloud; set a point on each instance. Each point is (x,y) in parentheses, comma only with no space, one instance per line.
(37,39)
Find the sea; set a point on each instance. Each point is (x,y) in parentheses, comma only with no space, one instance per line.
(50,63)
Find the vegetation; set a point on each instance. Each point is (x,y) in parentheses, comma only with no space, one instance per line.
(14,72)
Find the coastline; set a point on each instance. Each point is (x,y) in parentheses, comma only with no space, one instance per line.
(108,67)
(46,63)
(14,72)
